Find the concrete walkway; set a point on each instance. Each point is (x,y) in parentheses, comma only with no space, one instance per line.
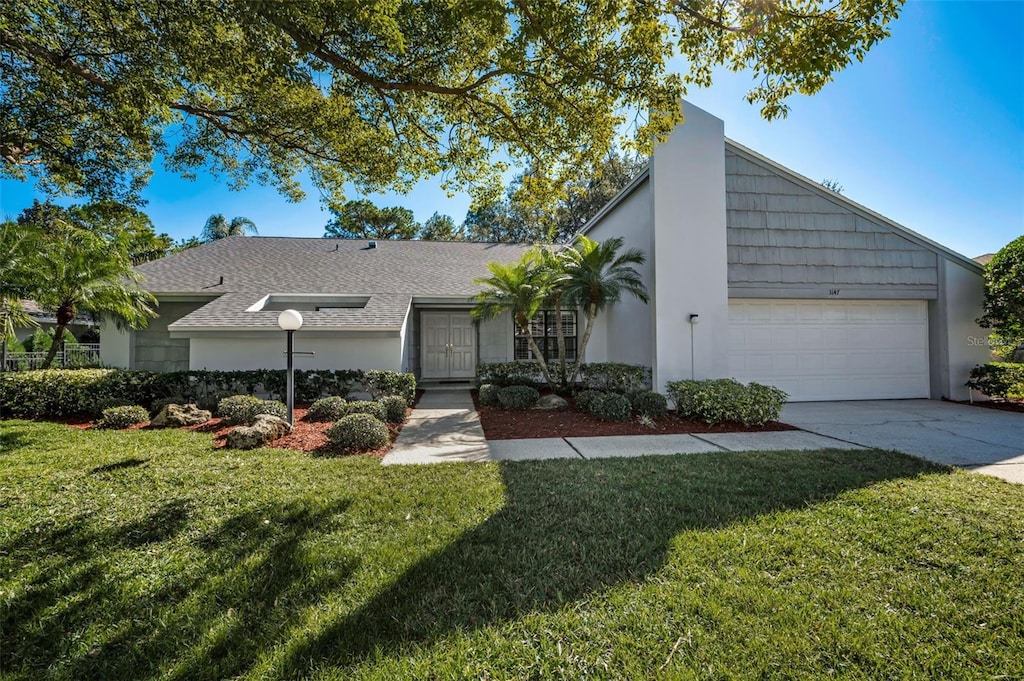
(984,440)
(445,427)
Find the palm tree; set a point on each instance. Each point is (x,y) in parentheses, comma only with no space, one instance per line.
(77,271)
(15,242)
(218,227)
(519,289)
(597,275)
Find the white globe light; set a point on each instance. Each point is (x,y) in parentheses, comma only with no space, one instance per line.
(289,320)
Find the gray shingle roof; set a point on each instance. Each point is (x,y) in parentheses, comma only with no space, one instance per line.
(252,267)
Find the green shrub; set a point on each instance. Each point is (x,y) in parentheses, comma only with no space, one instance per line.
(374,409)
(383,383)
(518,397)
(243,409)
(585,398)
(328,409)
(101,405)
(649,403)
(488,395)
(715,401)
(504,374)
(39,341)
(52,392)
(615,377)
(611,407)
(362,432)
(66,392)
(123,417)
(1000,380)
(394,407)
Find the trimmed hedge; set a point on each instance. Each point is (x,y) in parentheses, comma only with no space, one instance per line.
(67,392)
(394,407)
(615,377)
(715,401)
(243,409)
(505,374)
(327,409)
(649,403)
(1000,380)
(374,409)
(123,417)
(488,394)
(611,407)
(518,397)
(384,383)
(585,398)
(359,431)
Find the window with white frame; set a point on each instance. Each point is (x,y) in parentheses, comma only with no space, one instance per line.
(545,333)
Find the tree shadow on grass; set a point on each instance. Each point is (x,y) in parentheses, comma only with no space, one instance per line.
(571,528)
(210,618)
(12,439)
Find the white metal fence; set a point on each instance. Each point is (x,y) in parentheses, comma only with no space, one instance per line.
(71,357)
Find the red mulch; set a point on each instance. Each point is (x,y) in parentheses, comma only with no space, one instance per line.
(1001,405)
(499,424)
(306,436)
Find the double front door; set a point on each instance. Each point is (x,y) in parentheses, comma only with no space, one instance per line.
(448,346)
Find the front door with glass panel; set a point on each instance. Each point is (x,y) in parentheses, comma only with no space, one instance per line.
(448,345)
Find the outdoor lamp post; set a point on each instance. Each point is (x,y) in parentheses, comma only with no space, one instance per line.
(290,321)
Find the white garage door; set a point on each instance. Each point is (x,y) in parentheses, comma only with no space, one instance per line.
(831,349)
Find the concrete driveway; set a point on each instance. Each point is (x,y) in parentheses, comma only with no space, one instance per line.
(986,440)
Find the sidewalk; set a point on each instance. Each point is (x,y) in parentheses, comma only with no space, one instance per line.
(444,427)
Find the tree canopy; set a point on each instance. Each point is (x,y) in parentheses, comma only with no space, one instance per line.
(362,219)
(523,215)
(383,93)
(1004,297)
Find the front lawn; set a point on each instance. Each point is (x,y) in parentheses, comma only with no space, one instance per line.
(148,554)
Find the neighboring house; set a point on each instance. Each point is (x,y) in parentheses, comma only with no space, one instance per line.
(47,321)
(791,284)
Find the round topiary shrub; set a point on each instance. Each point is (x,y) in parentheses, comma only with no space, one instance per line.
(359,431)
(649,403)
(374,409)
(394,407)
(611,407)
(518,397)
(488,395)
(123,417)
(328,409)
(243,409)
(585,398)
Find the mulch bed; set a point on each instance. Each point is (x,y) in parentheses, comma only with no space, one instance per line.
(306,436)
(499,424)
(1001,405)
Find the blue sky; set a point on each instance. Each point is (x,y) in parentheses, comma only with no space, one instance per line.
(928,131)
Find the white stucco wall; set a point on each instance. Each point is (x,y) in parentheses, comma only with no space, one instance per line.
(690,253)
(115,346)
(964,292)
(266,351)
(624,332)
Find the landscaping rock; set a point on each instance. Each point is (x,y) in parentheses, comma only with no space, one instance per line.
(551,403)
(266,429)
(177,415)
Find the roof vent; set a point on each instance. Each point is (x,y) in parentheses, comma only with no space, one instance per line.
(372,244)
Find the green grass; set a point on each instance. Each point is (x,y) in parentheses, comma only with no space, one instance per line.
(144,555)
